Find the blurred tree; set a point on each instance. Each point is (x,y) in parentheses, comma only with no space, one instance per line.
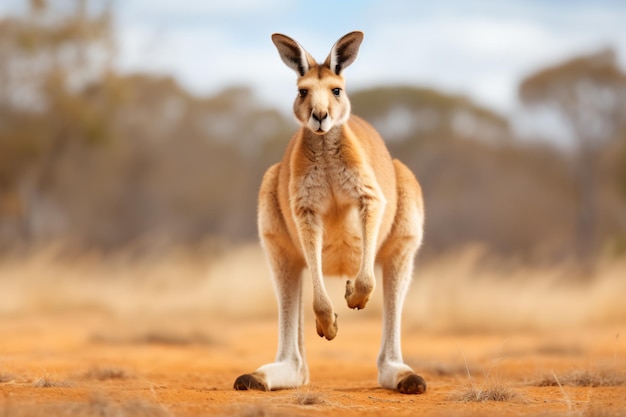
(47,59)
(103,159)
(589,94)
(480,185)
(404,113)
(109,160)
(197,162)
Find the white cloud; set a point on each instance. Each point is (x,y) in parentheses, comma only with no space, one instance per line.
(474,51)
(194,8)
(484,57)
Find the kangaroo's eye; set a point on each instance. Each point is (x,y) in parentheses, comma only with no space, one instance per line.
(303,92)
(337,92)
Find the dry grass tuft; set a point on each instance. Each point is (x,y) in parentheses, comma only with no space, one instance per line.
(47,382)
(248,411)
(494,391)
(558,350)
(256,410)
(106,373)
(308,398)
(4,378)
(584,378)
(157,338)
(595,411)
(172,339)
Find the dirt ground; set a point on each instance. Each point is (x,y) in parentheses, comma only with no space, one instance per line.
(90,363)
(118,338)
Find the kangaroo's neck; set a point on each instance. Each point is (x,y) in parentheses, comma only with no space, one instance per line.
(327,144)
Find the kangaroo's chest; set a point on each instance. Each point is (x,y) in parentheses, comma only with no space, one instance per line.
(331,189)
(342,240)
(330,184)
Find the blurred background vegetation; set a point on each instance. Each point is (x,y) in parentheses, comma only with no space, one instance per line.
(102,160)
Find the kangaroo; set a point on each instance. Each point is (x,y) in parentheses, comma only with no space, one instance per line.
(336,204)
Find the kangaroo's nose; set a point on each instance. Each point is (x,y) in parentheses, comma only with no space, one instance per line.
(319,116)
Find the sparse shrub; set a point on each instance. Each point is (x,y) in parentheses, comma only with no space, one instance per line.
(308,398)
(47,382)
(106,373)
(494,391)
(6,378)
(584,378)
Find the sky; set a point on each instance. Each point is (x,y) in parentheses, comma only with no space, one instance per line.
(478,48)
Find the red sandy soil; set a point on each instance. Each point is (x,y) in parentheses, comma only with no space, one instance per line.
(88,363)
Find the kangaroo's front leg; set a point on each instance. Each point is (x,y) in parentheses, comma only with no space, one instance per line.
(311,234)
(371,208)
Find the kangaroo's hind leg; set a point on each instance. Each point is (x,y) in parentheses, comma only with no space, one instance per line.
(396,257)
(289,368)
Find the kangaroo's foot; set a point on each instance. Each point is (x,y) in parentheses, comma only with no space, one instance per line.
(412,384)
(250,382)
(397,376)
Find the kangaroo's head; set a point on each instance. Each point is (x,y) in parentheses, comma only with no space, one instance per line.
(321,102)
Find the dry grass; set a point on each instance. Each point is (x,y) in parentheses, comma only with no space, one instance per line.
(441,369)
(553,349)
(4,378)
(173,339)
(466,292)
(304,398)
(602,377)
(159,337)
(97,406)
(48,382)
(458,292)
(257,410)
(451,294)
(138,408)
(490,391)
(595,411)
(106,373)
(308,397)
(591,411)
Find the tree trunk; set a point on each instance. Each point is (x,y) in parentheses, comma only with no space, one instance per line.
(587,202)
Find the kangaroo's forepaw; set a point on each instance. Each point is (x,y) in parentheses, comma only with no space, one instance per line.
(356,295)
(412,384)
(349,289)
(250,382)
(328,329)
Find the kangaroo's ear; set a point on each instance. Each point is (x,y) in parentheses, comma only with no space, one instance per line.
(344,52)
(293,54)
